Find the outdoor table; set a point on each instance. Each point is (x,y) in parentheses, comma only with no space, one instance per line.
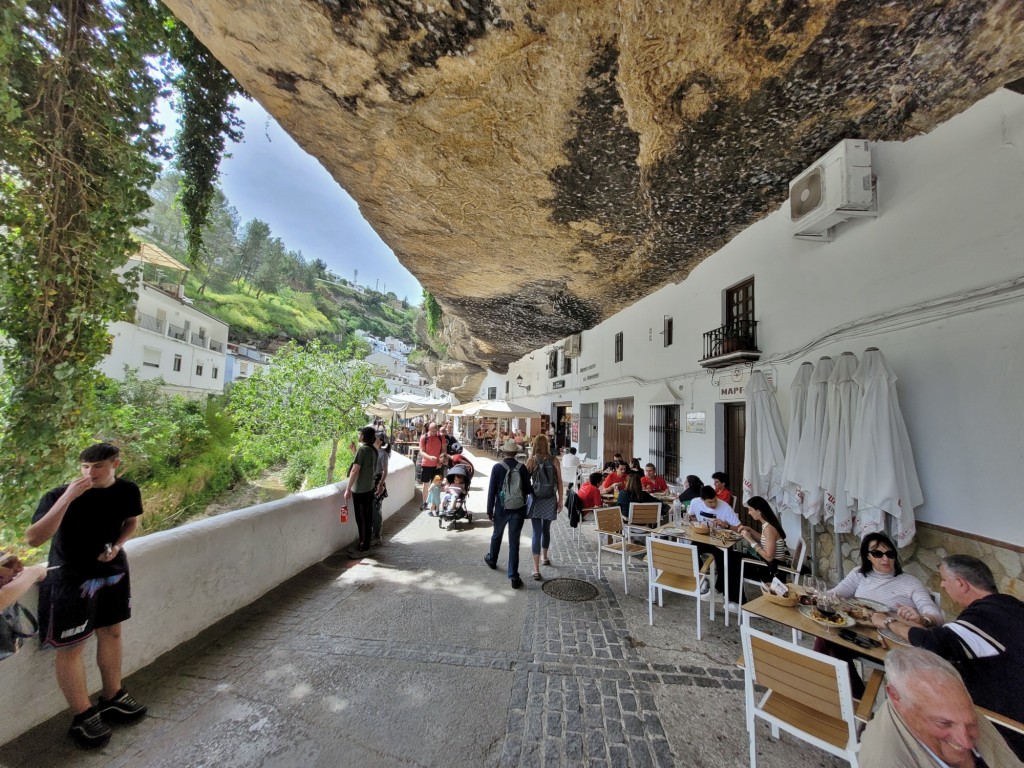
(673,531)
(792,618)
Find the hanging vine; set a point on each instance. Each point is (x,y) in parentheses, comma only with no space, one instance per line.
(78,152)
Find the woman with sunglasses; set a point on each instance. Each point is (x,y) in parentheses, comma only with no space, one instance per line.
(881,578)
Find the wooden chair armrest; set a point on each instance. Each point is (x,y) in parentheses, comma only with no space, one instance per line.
(1002,720)
(867,701)
(706,567)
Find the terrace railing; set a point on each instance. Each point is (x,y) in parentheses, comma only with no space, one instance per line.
(738,336)
(177,332)
(149,322)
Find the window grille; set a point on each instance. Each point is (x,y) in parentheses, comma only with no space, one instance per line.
(664,444)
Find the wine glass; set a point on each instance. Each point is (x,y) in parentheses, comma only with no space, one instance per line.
(828,608)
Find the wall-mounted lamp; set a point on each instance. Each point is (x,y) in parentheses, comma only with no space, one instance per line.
(519,381)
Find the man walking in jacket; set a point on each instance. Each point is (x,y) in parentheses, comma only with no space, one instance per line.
(512,518)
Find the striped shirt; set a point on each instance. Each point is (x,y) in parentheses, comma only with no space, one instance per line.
(781,553)
(890,589)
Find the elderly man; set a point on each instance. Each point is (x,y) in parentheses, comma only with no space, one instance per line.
(929,720)
(985,643)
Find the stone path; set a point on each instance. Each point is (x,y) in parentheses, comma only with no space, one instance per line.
(422,656)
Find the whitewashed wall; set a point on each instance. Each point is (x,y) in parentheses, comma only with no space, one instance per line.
(186,579)
(952,206)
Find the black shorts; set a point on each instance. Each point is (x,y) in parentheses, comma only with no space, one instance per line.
(427,473)
(71,610)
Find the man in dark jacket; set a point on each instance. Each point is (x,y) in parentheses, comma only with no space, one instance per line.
(985,643)
(502,517)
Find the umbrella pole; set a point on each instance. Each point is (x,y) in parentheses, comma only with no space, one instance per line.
(813,537)
(839,558)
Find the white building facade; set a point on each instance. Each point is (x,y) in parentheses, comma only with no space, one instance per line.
(170,339)
(936,282)
(243,360)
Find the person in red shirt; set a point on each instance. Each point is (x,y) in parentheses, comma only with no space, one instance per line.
(652,482)
(589,492)
(616,480)
(432,445)
(721,481)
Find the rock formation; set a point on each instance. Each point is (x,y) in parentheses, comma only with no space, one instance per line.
(541,164)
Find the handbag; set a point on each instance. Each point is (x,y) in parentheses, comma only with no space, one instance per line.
(17,624)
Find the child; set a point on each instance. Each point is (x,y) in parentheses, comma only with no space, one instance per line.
(434,496)
(456,489)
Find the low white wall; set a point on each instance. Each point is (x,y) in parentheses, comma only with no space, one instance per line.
(186,579)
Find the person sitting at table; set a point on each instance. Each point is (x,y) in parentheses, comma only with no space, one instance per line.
(712,510)
(632,493)
(985,643)
(570,466)
(481,435)
(652,482)
(615,481)
(880,578)
(769,545)
(610,466)
(590,491)
(720,480)
(929,719)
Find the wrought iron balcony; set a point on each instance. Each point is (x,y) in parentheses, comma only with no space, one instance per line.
(732,343)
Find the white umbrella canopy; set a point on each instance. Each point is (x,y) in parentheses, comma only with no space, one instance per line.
(792,506)
(405,405)
(501,409)
(810,453)
(882,476)
(843,399)
(764,452)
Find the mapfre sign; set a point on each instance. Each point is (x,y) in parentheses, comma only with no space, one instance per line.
(734,385)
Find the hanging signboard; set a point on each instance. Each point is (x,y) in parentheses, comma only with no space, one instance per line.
(575,428)
(695,421)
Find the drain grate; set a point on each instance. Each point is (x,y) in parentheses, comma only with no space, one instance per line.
(571,590)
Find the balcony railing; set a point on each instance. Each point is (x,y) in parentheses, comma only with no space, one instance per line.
(731,343)
(216,346)
(149,322)
(177,332)
(198,340)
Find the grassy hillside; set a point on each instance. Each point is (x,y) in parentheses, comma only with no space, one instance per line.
(332,311)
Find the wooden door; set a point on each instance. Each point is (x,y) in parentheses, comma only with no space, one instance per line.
(735,434)
(618,428)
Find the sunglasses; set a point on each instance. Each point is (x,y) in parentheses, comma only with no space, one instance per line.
(880,554)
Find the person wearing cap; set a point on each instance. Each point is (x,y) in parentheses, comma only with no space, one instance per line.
(359,490)
(512,519)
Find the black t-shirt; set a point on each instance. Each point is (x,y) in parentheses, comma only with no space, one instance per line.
(92,521)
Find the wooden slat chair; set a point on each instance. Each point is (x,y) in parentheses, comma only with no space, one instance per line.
(672,566)
(996,719)
(808,695)
(612,538)
(797,562)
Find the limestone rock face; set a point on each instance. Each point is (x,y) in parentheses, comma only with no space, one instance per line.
(541,164)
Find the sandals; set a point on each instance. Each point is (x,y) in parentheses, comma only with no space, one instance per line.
(545,561)
(537,576)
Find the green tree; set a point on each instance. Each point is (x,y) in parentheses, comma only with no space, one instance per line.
(255,235)
(304,397)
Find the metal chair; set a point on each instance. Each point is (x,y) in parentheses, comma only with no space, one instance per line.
(672,566)
(609,526)
(808,695)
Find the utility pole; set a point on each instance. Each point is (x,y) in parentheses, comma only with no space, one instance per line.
(355,277)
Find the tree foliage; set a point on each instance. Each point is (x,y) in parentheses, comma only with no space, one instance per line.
(306,396)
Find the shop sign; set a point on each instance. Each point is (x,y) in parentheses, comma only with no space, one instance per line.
(560,384)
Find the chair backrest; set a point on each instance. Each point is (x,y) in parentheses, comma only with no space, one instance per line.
(582,457)
(644,513)
(799,553)
(806,679)
(672,557)
(609,519)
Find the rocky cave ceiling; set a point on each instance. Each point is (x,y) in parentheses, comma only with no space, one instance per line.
(539,165)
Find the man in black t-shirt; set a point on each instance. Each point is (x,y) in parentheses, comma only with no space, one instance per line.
(88,520)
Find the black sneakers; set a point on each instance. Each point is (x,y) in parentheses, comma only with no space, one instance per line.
(516,582)
(120,709)
(490,564)
(88,730)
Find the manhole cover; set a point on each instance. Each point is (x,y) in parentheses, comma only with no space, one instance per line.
(572,590)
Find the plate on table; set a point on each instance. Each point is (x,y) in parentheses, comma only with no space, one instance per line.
(860,609)
(841,620)
(892,637)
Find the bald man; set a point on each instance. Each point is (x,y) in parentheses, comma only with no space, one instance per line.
(929,720)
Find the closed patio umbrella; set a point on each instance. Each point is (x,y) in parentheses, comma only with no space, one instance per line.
(792,506)
(843,399)
(882,476)
(764,449)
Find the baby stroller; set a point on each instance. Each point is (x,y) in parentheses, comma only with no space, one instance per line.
(453,503)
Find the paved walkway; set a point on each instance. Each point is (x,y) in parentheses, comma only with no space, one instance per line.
(423,656)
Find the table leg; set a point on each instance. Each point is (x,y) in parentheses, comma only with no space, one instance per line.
(725,564)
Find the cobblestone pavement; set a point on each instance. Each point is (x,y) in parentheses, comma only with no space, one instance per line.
(422,656)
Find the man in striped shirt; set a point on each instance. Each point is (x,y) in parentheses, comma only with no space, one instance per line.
(985,643)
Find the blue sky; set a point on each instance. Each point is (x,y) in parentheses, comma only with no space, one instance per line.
(269,177)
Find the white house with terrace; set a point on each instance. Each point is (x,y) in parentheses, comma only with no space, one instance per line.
(169,338)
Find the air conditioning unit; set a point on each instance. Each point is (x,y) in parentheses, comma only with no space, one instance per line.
(573,345)
(839,186)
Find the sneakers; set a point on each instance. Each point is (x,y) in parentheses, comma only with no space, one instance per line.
(537,576)
(120,709)
(517,583)
(490,564)
(88,729)
(377,542)
(732,607)
(705,590)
